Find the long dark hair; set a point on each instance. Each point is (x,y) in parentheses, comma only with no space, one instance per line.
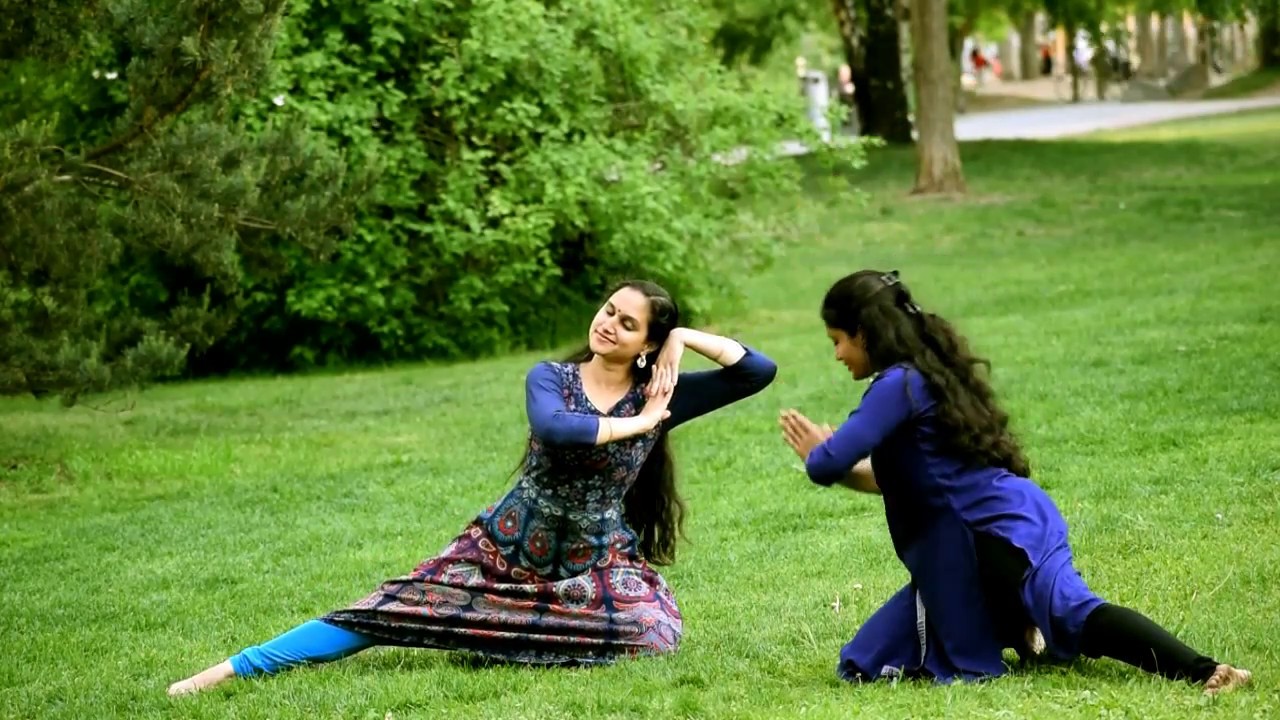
(652,507)
(896,330)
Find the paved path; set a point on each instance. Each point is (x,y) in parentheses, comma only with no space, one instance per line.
(1066,120)
(1053,89)
(1057,121)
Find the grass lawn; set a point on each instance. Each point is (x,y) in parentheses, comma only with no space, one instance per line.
(1125,291)
(1258,82)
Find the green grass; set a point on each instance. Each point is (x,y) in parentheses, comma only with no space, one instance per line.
(1255,83)
(1237,129)
(1126,293)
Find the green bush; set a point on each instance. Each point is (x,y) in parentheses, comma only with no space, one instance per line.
(220,185)
(132,206)
(531,153)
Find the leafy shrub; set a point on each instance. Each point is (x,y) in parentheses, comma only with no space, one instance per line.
(531,153)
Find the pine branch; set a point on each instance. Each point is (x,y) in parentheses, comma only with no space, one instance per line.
(256,223)
(109,171)
(147,124)
(118,180)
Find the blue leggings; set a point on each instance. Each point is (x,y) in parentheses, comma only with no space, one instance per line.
(311,642)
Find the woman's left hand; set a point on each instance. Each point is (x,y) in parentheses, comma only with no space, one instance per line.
(801,433)
(666,369)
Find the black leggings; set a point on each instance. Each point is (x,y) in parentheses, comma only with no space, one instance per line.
(1109,631)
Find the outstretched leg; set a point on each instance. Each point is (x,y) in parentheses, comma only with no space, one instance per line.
(311,642)
(1130,637)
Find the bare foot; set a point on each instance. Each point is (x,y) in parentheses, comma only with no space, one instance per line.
(1032,644)
(1035,640)
(203,680)
(1226,678)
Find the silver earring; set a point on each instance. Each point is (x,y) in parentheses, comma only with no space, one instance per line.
(641,362)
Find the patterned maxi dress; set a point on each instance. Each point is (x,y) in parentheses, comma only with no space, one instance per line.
(551,573)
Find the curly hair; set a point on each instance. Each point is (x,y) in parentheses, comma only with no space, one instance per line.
(895,330)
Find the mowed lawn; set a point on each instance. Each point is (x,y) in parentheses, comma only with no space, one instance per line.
(1124,286)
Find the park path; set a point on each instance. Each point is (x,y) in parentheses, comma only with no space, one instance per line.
(1066,120)
(1059,121)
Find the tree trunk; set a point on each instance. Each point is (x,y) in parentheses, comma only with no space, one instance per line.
(854,56)
(1192,38)
(1178,44)
(1225,35)
(955,39)
(1010,67)
(1069,30)
(1206,43)
(1251,41)
(1241,45)
(1028,48)
(1269,34)
(884,75)
(937,152)
(1101,69)
(1161,65)
(1147,67)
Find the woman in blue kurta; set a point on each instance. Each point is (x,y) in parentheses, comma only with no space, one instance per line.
(986,548)
(558,571)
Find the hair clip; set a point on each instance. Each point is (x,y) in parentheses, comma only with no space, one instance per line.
(890,278)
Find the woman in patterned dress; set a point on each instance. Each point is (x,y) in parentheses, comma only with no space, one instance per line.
(985,547)
(558,570)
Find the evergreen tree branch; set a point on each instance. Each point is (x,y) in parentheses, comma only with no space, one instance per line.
(117,180)
(151,118)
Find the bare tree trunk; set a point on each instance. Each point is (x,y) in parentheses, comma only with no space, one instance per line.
(1161,66)
(1146,46)
(938,167)
(1069,29)
(1206,42)
(1101,63)
(955,37)
(1179,43)
(854,56)
(1010,67)
(1028,48)
(1252,40)
(1241,45)
(1226,35)
(884,74)
(1269,34)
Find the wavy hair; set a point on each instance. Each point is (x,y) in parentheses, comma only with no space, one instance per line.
(895,330)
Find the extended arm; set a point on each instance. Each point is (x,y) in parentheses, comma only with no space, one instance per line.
(743,373)
(718,349)
(552,422)
(884,407)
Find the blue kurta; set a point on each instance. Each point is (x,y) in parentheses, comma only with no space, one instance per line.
(941,624)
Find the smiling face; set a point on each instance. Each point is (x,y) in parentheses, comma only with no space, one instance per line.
(851,351)
(620,329)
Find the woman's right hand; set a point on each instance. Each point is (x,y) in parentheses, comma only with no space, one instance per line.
(655,406)
(650,416)
(801,433)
